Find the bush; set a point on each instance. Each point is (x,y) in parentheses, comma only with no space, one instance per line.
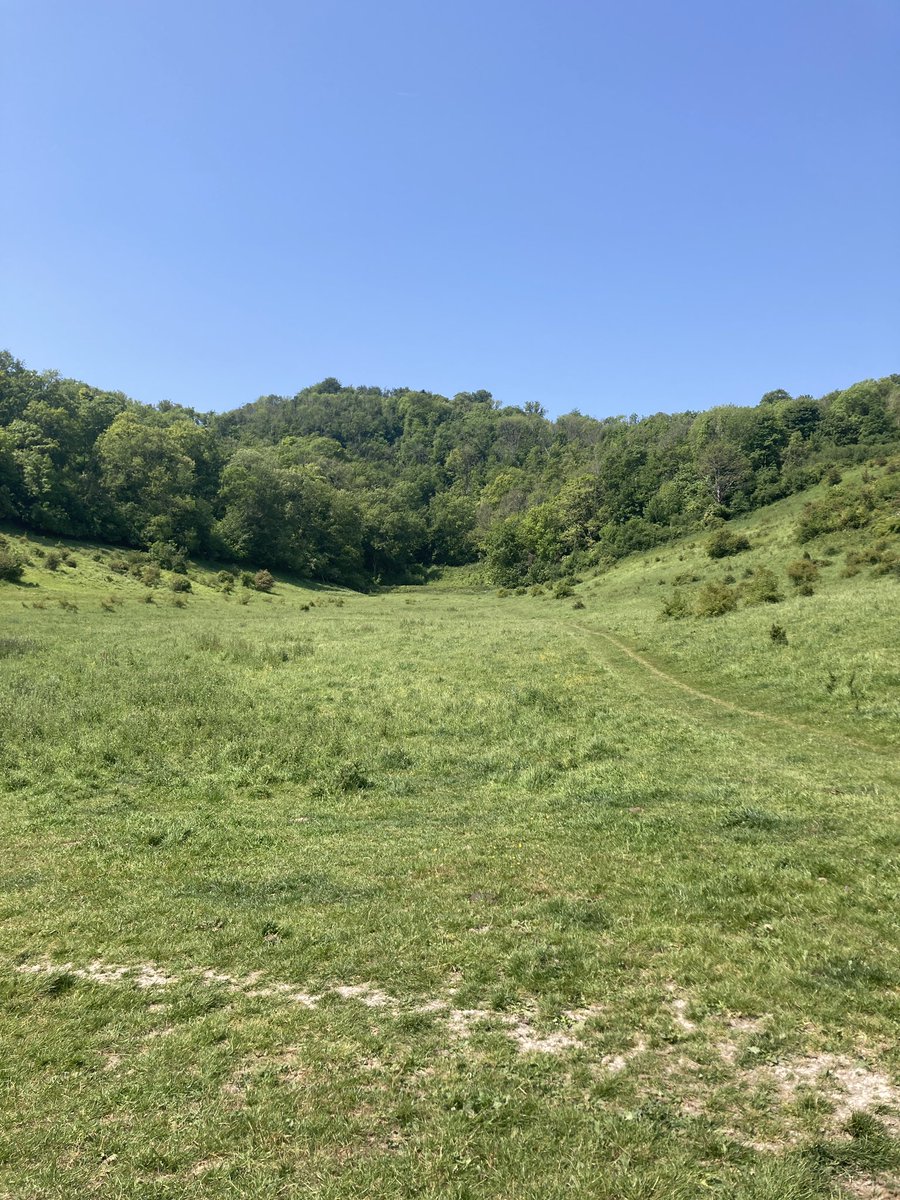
(563,590)
(778,635)
(762,587)
(52,561)
(180,584)
(168,556)
(889,564)
(715,599)
(11,568)
(263,581)
(724,543)
(150,575)
(803,574)
(247,579)
(676,607)
(883,560)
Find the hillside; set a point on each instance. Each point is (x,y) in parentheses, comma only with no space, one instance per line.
(440,891)
(364,485)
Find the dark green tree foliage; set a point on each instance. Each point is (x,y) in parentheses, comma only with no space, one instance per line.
(357,484)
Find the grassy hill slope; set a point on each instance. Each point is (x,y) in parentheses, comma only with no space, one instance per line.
(840,665)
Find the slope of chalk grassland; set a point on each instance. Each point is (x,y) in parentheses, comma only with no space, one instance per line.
(440,893)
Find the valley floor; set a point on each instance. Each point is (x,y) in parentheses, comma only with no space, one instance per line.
(441,894)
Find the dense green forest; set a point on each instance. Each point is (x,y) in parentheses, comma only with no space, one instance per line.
(360,485)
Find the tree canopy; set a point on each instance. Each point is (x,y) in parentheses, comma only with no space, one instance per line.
(356,485)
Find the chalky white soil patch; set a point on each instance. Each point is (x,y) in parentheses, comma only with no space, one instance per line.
(460,1022)
(143,975)
(849,1085)
(873,1189)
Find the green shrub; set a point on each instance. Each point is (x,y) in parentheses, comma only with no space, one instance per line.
(263,581)
(778,634)
(180,584)
(803,573)
(724,543)
(882,557)
(888,564)
(52,561)
(762,587)
(168,556)
(150,575)
(715,599)
(11,568)
(676,607)
(247,579)
(563,590)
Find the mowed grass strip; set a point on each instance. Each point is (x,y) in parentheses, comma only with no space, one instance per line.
(628,944)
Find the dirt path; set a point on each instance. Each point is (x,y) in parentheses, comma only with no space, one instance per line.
(674,681)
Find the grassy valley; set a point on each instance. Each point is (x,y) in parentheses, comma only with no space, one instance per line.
(436,891)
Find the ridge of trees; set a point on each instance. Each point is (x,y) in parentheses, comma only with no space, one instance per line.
(360,485)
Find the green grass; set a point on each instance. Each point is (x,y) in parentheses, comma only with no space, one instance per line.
(613,939)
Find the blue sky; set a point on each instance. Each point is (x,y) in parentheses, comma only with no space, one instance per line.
(620,207)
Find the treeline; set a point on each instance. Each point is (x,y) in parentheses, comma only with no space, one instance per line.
(355,485)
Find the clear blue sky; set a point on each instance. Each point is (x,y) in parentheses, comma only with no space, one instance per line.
(622,207)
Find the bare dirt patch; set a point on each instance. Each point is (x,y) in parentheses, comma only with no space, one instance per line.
(850,1086)
(846,1084)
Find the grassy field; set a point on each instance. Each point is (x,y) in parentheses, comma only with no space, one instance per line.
(435,893)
